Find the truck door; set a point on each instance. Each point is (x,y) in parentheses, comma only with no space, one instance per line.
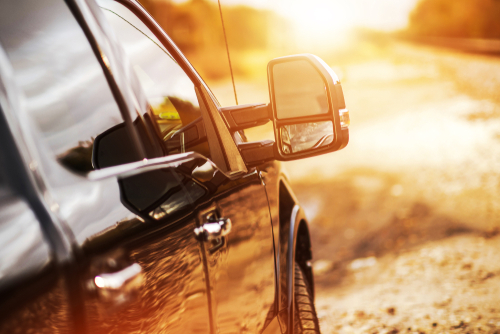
(241,264)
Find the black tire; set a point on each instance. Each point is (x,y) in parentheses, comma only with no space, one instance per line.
(305,318)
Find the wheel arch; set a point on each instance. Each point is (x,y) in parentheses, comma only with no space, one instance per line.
(295,245)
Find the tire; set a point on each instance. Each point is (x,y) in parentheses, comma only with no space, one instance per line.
(305,318)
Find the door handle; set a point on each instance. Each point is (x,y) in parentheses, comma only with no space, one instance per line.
(119,287)
(214,229)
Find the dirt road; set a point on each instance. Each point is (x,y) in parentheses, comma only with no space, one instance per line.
(405,219)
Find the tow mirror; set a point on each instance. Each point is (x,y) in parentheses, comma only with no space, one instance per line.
(308,107)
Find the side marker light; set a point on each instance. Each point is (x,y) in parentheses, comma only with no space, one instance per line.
(345,120)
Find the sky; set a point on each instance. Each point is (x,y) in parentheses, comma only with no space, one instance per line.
(318,21)
(327,16)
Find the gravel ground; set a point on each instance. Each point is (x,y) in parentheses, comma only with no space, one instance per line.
(445,286)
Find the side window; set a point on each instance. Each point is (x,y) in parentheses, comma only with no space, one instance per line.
(67,96)
(175,108)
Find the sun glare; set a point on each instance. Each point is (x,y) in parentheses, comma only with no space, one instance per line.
(317,21)
(326,15)
(321,16)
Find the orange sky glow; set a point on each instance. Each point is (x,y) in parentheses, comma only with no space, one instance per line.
(315,20)
(326,15)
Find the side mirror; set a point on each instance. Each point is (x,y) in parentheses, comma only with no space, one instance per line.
(308,108)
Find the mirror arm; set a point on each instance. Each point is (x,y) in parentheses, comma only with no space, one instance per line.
(246,116)
(256,153)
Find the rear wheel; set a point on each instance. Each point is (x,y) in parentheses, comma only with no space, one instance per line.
(305,318)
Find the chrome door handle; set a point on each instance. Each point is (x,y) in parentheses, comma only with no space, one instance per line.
(119,287)
(213,229)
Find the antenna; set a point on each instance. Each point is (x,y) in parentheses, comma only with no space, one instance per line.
(227,49)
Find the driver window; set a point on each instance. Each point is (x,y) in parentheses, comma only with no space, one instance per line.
(175,108)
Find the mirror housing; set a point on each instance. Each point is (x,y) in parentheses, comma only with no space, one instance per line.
(308,107)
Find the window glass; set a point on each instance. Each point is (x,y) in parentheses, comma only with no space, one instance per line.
(175,107)
(67,96)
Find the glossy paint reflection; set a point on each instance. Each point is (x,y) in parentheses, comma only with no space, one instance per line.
(66,94)
(173,297)
(47,312)
(25,258)
(22,245)
(242,272)
(191,193)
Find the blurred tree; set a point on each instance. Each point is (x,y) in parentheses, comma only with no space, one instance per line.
(195,27)
(463,18)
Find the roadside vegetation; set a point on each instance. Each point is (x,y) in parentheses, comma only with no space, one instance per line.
(195,26)
(458,19)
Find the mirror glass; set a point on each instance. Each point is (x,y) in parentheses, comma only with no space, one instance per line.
(305,136)
(299,90)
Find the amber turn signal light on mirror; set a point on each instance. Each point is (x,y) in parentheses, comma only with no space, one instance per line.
(345,120)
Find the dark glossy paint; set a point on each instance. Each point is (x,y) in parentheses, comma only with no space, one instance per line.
(28,273)
(173,296)
(240,267)
(244,202)
(173,290)
(242,271)
(273,176)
